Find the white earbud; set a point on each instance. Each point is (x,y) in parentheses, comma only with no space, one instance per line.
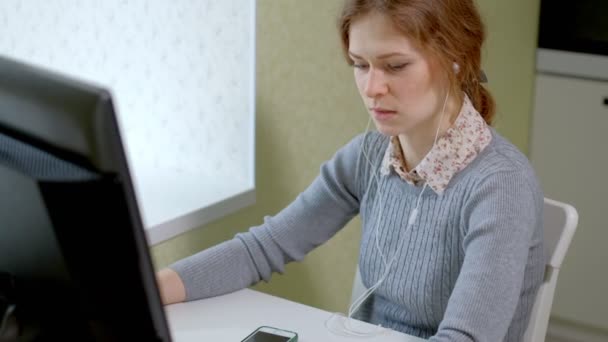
(456,67)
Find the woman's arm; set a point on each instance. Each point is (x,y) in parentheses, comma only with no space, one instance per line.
(170,286)
(310,220)
(503,264)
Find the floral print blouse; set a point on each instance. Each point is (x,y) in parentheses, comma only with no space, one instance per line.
(454,150)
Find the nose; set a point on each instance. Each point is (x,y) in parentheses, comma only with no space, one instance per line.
(376,83)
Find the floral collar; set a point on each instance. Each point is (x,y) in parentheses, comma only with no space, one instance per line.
(454,150)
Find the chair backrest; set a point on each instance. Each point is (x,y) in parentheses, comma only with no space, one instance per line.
(559,224)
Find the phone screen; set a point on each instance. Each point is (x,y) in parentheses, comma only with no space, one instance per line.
(261,336)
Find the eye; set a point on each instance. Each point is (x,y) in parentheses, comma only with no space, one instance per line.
(361,66)
(396,67)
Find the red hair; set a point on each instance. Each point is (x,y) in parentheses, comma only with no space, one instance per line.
(449,30)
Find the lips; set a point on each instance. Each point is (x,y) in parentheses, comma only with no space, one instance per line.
(382,113)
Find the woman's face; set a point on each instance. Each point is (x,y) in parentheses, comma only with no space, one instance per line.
(397,82)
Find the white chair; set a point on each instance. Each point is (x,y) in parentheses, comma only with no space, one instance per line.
(560,222)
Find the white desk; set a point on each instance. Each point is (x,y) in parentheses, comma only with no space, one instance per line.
(231,317)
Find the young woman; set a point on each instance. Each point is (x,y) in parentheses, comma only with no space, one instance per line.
(451,211)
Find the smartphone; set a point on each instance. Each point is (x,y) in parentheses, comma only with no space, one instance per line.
(270,334)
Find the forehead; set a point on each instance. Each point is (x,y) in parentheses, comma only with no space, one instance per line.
(374,34)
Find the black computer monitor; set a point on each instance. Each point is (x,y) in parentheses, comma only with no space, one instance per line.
(74,260)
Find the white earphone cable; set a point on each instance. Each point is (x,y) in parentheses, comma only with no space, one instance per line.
(345,327)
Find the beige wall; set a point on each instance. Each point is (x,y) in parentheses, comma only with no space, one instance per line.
(510,61)
(307,107)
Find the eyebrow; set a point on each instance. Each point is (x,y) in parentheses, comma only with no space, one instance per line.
(383,56)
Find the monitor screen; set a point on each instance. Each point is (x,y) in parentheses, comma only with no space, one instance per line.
(74,260)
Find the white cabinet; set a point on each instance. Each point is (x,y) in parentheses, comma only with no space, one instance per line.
(568,151)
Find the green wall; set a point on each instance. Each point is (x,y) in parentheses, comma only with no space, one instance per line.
(509,55)
(308,106)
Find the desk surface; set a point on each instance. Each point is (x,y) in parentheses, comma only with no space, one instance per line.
(231,317)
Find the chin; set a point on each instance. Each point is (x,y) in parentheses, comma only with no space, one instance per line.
(388,130)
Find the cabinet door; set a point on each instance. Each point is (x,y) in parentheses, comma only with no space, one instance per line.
(568,151)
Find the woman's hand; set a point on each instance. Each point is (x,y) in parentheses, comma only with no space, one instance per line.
(171,287)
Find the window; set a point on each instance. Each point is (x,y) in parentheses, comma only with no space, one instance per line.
(182,74)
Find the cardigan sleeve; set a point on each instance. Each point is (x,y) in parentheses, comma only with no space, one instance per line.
(502,216)
(312,218)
